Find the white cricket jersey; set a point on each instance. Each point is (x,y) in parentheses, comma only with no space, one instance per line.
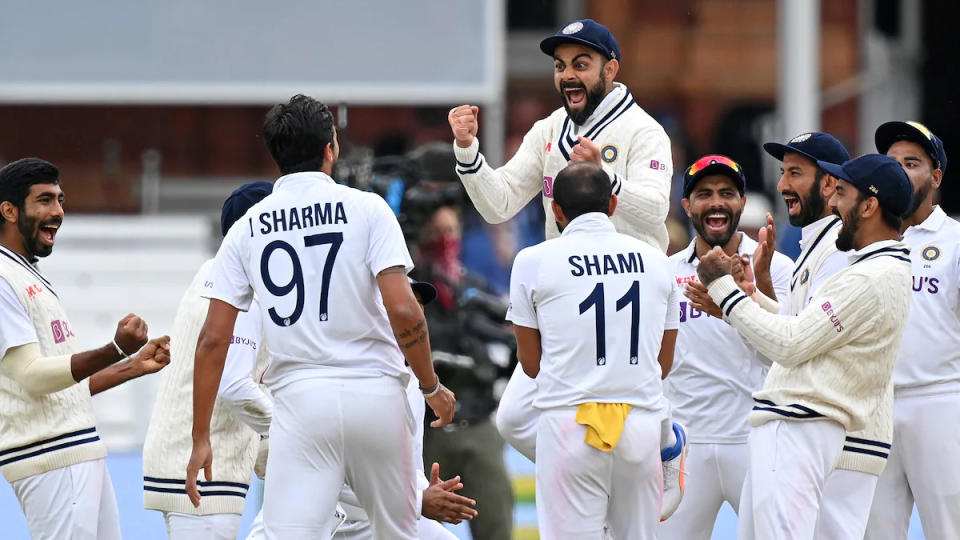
(601,301)
(819,260)
(930,356)
(311,251)
(715,371)
(634,151)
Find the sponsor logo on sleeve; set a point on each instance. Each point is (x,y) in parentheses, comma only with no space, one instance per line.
(61,331)
(34,290)
(828,309)
(548,187)
(657,165)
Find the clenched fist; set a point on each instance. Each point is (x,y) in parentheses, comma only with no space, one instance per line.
(586,150)
(463,122)
(131,334)
(154,356)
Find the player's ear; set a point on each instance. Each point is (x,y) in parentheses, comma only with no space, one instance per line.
(937,178)
(828,186)
(613,205)
(558,212)
(685,203)
(610,70)
(9,211)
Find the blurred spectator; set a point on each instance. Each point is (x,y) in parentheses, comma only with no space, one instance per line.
(471,350)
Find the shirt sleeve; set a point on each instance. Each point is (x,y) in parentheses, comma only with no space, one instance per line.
(387,248)
(644,195)
(238,390)
(228,280)
(16,328)
(826,323)
(499,194)
(673,307)
(522,310)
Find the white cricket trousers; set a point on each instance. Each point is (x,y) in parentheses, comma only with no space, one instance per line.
(714,473)
(845,506)
(75,502)
(924,467)
(209,527)
(327,431)
(427,529)
(516,417)
(789,465)
(580,488)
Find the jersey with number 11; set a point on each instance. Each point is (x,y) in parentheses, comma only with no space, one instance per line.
(311,252)
(601,302)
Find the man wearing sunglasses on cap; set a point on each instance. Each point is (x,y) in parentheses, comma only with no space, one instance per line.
(715,371)
(926,428)
(833,361)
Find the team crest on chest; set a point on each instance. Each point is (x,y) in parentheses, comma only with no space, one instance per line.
(609,153)
(805,276)
(930,253)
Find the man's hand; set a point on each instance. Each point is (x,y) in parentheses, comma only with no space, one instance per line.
(260,465)
(586,150)
(463,122)
(743,274)
(700,299)
(153,357)
(440,503)
(713,265)
(767,244)
(131,334)
(200,458)
(443,404)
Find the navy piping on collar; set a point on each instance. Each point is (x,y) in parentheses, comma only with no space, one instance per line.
(19,259)
(621,107)
(897,253)
(816,241)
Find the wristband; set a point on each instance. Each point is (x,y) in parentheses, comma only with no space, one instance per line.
(123,355)
(430,392)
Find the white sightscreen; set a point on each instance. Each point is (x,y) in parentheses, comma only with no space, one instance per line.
(251,51)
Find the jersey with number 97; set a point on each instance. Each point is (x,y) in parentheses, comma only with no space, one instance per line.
(601,302)
(311,252)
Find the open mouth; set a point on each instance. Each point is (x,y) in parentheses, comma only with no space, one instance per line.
(49,232)
(716,222)
(575,96)
(793,203)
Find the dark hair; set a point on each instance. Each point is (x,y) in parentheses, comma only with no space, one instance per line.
(890,218)
(297,133)
(17,177)
(582,188)
(818,176)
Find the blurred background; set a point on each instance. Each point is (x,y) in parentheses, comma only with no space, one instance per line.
(152,112)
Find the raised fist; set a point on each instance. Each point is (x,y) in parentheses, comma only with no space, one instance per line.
(463,122)
(131,334)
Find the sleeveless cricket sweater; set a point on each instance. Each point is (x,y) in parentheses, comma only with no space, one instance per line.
(169,440)
(43,433)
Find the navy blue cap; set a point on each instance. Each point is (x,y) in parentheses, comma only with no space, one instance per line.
(814,145)
(426,291)
(891,132)
(240,201)
(713,164)
(586,32)
(877,176)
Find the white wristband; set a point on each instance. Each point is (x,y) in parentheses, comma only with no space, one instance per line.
(123,355)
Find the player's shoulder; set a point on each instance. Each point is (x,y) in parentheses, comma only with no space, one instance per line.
(646,250)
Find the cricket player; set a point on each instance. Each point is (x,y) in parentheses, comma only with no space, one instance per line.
(923,465)
(328,264)
(715,371)
(832,361)
(595,313)
(241,416)
(806,188)
(50,450)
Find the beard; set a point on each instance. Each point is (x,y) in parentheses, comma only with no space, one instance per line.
(716,239)
(811,208)
(29,228)
(851,224)
(918,197)
(595,95)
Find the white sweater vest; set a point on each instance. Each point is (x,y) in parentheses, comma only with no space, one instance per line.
(40,434)
(169,441)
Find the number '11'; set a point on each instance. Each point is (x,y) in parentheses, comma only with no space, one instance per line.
(595,300)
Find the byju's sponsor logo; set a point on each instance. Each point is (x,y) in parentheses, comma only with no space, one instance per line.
(926,284)
(240,340)
(61,331)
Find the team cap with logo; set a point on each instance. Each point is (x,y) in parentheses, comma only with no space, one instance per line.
(814,145)
(891,132)
(879,176)
(586,32)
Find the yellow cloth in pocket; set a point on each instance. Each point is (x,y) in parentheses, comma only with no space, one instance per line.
(604,423)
